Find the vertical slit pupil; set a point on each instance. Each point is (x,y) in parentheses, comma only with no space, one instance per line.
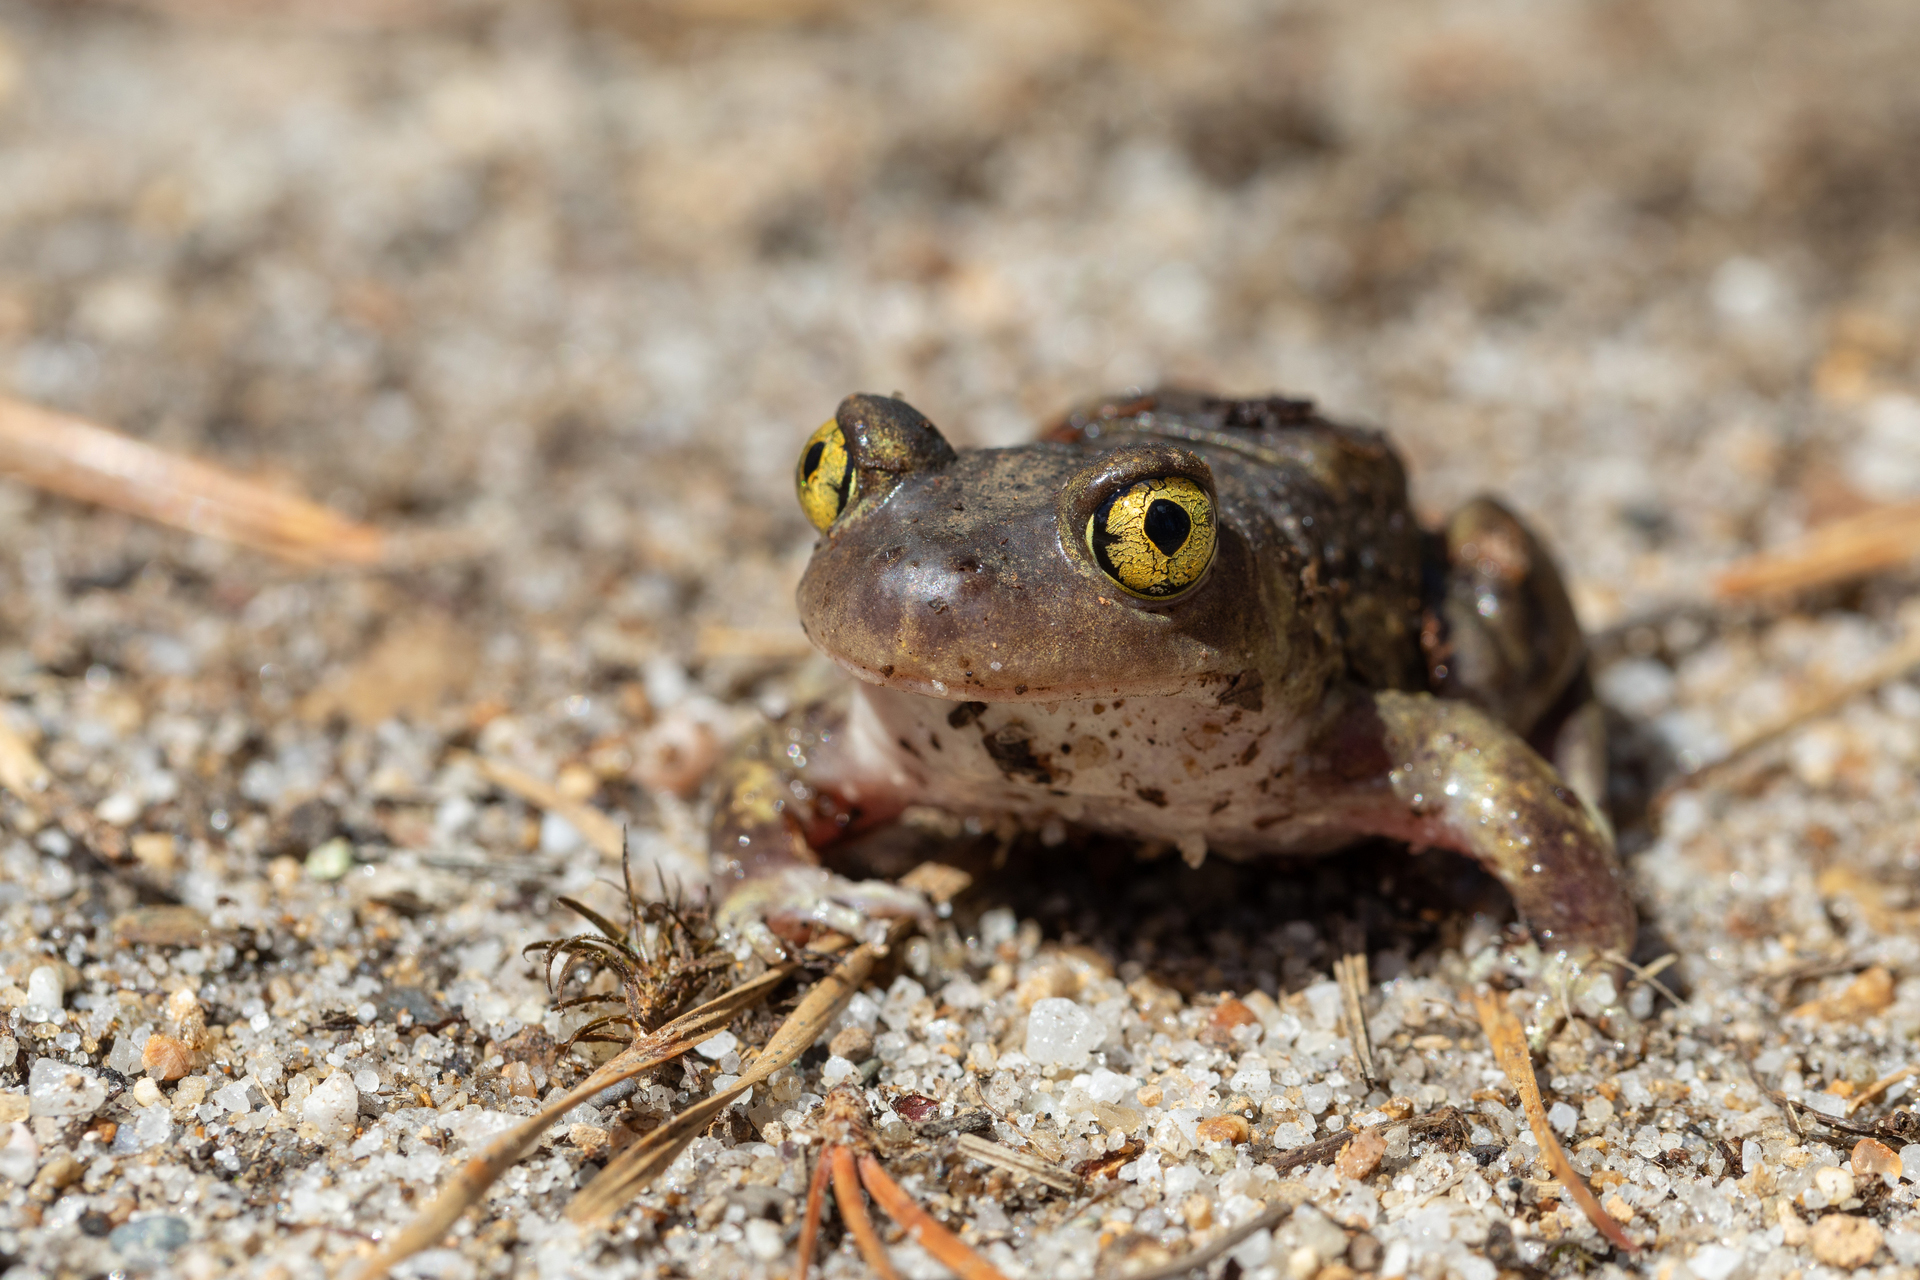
(812,462)
(1167,525)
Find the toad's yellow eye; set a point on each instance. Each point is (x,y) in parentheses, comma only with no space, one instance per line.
(1155,538)
(825,476)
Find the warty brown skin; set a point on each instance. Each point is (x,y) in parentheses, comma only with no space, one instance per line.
(1334,673)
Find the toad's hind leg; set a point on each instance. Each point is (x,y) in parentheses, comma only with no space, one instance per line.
(1502,634)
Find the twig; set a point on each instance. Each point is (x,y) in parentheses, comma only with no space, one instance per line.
(1002,1156)
(1897,662)
(1350,971)
(603,833)
(1509,1041)
(1649,974)
(1795,1110)
(1882,538)
(1271,1217)
(1877,1088)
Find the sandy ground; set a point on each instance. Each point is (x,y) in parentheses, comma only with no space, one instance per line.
(576,281)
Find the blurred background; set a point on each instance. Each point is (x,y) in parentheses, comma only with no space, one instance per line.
(574,280)
(585,273)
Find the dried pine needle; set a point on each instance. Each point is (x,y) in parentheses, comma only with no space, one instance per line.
(480,1172)
(633,1169)
(1883,538)
(600,831)
(1509,1043)
(946,1248)
(78,459)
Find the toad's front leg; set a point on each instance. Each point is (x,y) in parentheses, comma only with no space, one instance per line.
(800,785)
(1443,773)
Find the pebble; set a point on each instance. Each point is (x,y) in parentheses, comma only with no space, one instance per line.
(45,994)
(1834,1183)
(165,1058)
(57,1089)
(1875,1159)
(19,1154)
(718,1047)
(1842,1240)
(332,1106)
(149,1242)
(855,1044)
(330,860)
(1714,1262)
(1361,1157)
(1061,1033)
(764,1240)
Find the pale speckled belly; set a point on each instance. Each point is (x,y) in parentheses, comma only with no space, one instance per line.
(1173,769)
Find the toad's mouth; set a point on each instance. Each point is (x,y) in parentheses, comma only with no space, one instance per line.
(1001,681)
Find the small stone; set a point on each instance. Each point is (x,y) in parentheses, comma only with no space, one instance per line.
(146,1243)
(330,860)
(1833,1183)
(1875,1159)
(763,1239)
(165,1058)
(1228,1015)
(19,1155)
(836,1069)
(519,1080)
(55,1176)
(855,1044)
(190,1092)
(60,1089)
(1061,1033)
(1865,996)
(718,1047)
(1361,1157)
(45,994)
(1230,1130)
(1714,1262)
(1197,1210)
(146,1093)
(232,1097)
(1910,1162)
(14,1106)
(155,850)
(915,1108)
(118,809)
(588,1137)
(333,1105)
(981,1059)
(1793,1229)
(152,1127)
(1563,1118)
(1842,1240)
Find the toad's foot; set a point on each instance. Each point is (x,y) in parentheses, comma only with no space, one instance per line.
(1445,774)
(795,903)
